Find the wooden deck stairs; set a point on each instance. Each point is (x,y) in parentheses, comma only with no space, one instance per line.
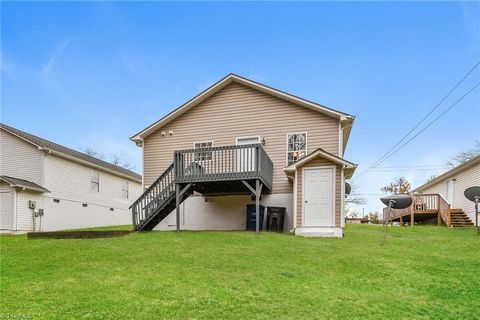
(430,207)
(242,169)
(459,219)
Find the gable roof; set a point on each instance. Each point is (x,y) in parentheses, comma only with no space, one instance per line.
(347,165)
(21,183)
(450,173)
(344,117)
(71,154)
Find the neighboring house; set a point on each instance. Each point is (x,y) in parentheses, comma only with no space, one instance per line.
(241,142)
(451,185)
(72,189)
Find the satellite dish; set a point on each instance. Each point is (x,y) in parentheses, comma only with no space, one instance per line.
(472,194)
(399,201)
(348,188)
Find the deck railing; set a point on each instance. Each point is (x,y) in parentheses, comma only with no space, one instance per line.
(153,197)
(424,203)
(225,163)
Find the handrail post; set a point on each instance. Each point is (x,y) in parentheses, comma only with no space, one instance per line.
(439,214)
(257,160)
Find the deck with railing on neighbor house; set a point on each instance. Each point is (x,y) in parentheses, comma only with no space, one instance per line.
(240,169)
(429,206)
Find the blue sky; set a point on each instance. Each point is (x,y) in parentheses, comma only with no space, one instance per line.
(93,74)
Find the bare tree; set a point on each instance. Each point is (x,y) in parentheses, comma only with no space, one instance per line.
(94,153)
(465,155)
(401,185)
(374,218)
(119,160)
(354,197)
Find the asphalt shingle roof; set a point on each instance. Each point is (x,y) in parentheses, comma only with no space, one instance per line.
(43,143)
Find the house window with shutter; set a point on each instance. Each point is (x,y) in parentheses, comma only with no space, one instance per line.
(95,181)
(203,155)
(125,190)
(296,147)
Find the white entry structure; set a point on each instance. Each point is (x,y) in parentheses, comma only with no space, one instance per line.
(45,186)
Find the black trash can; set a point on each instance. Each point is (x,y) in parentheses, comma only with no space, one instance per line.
(252,217)
(275,218)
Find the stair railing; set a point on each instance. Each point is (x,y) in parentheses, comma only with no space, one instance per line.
(153,197)
(444,209)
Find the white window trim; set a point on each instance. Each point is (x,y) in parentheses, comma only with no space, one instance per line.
(205,141)
(334,173)
(259,138)
(286,144)
(92,172)
(128,190)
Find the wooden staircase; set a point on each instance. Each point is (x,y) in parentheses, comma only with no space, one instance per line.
(240,169)
(156,202)
(459,219)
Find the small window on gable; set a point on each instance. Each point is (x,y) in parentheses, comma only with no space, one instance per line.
(95,181)
(204,154)
(125,190)
(296,147)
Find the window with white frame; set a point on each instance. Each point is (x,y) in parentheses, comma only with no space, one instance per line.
(296,147)
(125,190)
(203,155)
(94,181)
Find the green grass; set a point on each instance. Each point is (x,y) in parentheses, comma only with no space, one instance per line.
(420,273)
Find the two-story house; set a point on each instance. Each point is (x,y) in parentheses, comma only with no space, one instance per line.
(240,142)
(46,186)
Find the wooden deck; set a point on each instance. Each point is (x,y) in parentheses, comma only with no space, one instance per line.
(424,207)
(242,169)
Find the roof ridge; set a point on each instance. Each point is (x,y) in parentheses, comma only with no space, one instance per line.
(47,144)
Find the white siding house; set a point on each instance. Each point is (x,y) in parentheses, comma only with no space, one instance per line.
(73,189)
(452,184)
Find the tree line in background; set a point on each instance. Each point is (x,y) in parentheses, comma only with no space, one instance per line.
(117,159)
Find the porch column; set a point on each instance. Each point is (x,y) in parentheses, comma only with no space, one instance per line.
(257,206)
(177,205)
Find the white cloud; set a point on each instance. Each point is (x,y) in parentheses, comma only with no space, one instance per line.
(52,60)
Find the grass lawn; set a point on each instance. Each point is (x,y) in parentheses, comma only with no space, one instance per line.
(421,273)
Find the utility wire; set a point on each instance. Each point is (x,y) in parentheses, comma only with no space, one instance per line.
(423,129)
(381,159)
(433,121)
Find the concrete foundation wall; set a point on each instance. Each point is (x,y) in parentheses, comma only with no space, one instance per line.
(223,212)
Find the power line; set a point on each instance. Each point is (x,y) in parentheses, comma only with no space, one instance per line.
(381,159)
(433,121)
(423,129)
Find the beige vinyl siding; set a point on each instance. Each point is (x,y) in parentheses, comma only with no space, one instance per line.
(239,111)
(467,178)
(20,159)
(338,191)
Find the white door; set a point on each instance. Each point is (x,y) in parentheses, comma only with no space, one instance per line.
(450,189)
(318,197)
(246,156)
(5,211)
